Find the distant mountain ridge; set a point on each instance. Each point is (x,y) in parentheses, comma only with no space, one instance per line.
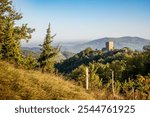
(135,43)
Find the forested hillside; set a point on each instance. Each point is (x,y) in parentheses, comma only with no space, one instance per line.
(130,69)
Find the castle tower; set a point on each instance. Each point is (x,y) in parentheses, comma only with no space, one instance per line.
(110,46)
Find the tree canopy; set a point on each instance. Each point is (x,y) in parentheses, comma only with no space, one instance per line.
(11,34)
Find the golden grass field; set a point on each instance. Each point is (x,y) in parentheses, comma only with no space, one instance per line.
(19,84)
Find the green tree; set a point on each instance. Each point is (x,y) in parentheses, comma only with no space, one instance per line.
(48,53)
(94,80)
(10,34)
(30,62)
(79,75)
(10,47)
(118,67)
(104,72)
(134,66)
(147,58)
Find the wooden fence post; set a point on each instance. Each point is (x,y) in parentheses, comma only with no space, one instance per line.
(87,78)
(133,93)
(113,87)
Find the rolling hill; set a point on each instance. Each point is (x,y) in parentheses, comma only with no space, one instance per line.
(68,50)
(135,43)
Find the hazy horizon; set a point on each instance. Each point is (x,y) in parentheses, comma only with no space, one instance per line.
(70,43)
(85,20)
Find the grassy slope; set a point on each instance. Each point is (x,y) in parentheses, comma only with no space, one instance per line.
(24,84)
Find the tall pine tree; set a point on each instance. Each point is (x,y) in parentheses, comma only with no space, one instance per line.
(48,53)
(10,47)
(10,34)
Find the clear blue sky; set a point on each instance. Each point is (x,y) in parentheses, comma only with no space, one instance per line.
(79,20)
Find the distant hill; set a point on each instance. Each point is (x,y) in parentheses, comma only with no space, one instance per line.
(131,42)
(33,49)
(134,43)
(28,53)
(67,54)
(35,52)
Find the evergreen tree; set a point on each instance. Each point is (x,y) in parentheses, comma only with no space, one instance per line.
(10,34)
(48,53)
(10,47)
(147,58)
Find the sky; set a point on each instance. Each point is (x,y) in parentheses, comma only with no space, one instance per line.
(84,20)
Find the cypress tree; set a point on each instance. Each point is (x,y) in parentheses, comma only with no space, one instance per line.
(48,53)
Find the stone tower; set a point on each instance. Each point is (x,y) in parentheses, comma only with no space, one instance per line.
(110,46)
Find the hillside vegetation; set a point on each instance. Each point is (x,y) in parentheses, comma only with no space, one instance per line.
(24,84)
(121,73)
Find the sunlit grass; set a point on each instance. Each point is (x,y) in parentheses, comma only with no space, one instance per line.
(32,85)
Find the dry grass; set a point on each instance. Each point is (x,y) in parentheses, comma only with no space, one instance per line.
(104,94)
(21,84)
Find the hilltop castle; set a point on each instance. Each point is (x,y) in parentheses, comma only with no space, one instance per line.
(109,46)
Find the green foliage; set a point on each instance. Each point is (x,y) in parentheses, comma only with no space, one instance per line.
(147,58)
(10,47)
(89,56)
(94,80)
(48,54)
(124,62)
(79,75)
(84,57)
(136,65)
(129,67)
(30,63)
(10,34)
(136,89)
(104,72)
(118,67)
